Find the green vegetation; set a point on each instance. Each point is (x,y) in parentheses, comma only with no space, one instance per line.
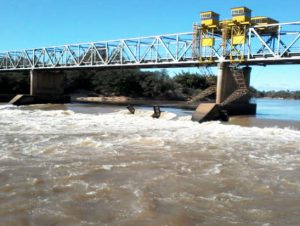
(14,83)
(285,94)
(131,82)
(136,83)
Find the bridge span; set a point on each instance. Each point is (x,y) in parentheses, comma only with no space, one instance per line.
(281,46)
(232,45)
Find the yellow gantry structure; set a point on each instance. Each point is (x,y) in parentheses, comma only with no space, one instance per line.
(233,32)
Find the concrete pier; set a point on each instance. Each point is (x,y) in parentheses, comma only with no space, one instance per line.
(226,83)
(232,95)
(46,83)
(45,87)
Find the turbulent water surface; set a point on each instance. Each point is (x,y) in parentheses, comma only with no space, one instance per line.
(78,165)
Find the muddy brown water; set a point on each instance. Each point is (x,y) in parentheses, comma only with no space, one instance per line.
(84,165)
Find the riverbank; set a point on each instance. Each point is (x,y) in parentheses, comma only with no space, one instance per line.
(118,100)
(122,100)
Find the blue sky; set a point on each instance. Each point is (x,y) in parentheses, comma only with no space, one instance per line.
(39,23)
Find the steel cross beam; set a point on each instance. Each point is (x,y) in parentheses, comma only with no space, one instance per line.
(162,51)
(279,46)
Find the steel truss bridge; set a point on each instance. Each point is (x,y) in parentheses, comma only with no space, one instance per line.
(282,46)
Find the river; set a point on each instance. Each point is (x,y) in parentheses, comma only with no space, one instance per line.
(89,165)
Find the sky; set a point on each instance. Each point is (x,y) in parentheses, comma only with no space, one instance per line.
(41,23)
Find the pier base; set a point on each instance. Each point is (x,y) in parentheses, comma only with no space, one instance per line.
(211,111)
(207,112)
(27,99)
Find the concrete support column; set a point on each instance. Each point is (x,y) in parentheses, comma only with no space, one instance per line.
(219,83)
(225,83)
(46,83)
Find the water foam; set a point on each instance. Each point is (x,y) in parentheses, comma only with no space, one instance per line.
(115,130)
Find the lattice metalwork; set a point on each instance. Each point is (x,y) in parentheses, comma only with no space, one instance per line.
(138,52)
(279,45)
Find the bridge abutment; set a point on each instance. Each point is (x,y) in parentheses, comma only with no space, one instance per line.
(232,95)
(45,87)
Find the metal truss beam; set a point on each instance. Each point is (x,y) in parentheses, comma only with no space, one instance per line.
(281,46)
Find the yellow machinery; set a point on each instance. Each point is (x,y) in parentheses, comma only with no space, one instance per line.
(205,33)
(209,19)
(209,23)
(263,20)
(241,15)
(233,32)
(225,22)
(241,19)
